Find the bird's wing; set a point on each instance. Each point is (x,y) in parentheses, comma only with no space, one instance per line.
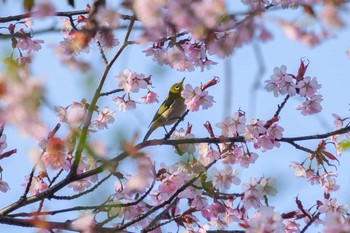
(165,106)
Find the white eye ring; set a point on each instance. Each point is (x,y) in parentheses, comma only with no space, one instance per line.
(177,87)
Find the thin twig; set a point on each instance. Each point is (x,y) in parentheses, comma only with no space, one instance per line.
(313,219)
(82,193)
(160,215)
(111,92)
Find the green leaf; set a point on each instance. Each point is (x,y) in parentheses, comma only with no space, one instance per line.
(344,145)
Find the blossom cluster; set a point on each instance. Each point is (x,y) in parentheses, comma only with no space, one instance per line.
(263,134)
(182,56)
(282,83)
(132,82)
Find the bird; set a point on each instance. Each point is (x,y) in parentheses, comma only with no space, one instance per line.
(171,109)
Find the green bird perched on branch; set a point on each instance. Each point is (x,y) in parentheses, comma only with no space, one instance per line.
(170,111)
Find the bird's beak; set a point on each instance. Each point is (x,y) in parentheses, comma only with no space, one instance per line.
(183,80)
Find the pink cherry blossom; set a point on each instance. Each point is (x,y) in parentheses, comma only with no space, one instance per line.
(80,185)
(194,98)
(37,186)
(107,18)
(245,159)
(66,26)
(75,115)
(338,121)
(149,12)
(256,5)
(308,87)
(207,155)
(225,177)
(3,143)
(55,154)
(230,153)
(183,148)
(311,105)
(84,223)
(265,220)
(281,82)
(105,117)
(254,129)
(252,194)
(75,43)
(29,45)
(275,131)
(332,205)
(209,12)
(299,169)
(265,142)
(292,31)
(335,222)
(212,211)
(232,126)
(130,81)
(268,185)
(330,15)
(287,86)
(44,8)
(150,98)
(4,187)
(330,185)
(291,226)
(124,105)
(106,40)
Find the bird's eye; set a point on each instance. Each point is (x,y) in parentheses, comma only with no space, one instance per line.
(177,87)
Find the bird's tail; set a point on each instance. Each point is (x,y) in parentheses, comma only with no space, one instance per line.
(150,131)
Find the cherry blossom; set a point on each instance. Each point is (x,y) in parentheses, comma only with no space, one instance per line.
(183,148)
(225,178)
(38,185)
(3,142)
(84,223)
(335,222)
(254,129)
(150,98)
(55,154)
(308,87)
(74,115)
(333,206)
(291,226)
(75,43)
(207,155)
(124,105)
(106,40)
(29,45)
(329,185)
(44,8)
(252,193)
(105,117)
(299,169)
(130,81)
(107,18)
(245,159)
(212,211)
(311,105)
(4,187)
(265,220)
(280,82)
(232,126)
(80,185)
(194,98)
